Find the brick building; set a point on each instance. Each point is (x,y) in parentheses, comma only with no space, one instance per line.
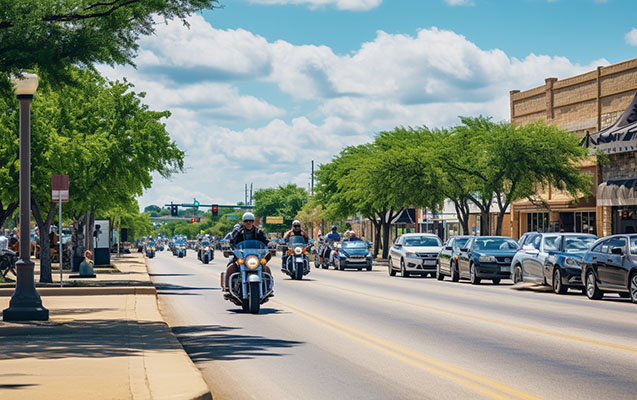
(583,104)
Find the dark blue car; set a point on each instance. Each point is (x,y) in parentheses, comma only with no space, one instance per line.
(563,265)
(353,254)
(487,257)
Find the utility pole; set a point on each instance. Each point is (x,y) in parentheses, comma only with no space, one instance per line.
(312,191)
(250,193)
(245,195)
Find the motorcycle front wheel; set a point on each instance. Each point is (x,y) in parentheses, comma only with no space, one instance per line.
(254,300)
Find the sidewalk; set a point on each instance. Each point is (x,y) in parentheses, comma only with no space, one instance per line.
(107,340)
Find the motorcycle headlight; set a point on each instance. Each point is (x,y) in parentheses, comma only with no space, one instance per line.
(252,262)
(573,262)
(298,251)
(486,259)
(207,248)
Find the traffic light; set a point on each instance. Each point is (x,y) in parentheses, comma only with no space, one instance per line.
(174,210)
(196,203)
(215,210)
(195,219)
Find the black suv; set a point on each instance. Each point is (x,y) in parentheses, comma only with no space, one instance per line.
(611,266)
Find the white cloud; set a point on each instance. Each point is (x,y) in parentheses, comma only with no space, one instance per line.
(460,2)
(631,37)
(352,5)
(429,78)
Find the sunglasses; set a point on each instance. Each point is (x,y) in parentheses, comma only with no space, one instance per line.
(249,220)
(296,226)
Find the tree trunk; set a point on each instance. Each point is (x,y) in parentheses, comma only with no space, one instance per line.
(484,223)
(386,231)
(376,237)
(4,214)
(44,226)
(462,211)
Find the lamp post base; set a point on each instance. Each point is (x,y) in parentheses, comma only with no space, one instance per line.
(25,304)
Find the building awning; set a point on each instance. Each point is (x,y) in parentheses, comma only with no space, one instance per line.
(617,192)
(620,137)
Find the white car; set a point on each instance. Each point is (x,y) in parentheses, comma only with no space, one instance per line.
(414,253)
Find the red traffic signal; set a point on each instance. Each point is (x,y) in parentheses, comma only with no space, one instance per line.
(192,220)
(215,210)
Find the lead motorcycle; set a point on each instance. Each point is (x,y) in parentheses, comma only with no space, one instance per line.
(206,252)
(251,286)
(296,263)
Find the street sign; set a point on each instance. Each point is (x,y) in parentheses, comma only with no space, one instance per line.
(273,220)
(59,188)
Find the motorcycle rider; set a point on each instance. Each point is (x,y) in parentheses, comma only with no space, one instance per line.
(330,239)
(295,231)
(246,232)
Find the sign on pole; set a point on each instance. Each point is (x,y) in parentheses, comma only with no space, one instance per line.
(273,220)
(60,188)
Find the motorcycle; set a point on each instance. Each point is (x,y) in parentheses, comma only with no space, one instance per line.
(325,253)
(251,286)
(206,252)
(180,249)
(150,249)
(296,263)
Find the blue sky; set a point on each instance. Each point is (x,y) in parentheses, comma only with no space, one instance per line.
(288,81)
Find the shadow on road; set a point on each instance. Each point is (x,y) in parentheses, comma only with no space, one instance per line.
(171,289)
(214,342)
(169,274)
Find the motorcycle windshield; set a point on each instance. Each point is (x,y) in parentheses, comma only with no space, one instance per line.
(296,241)
(205,243)
(249,248)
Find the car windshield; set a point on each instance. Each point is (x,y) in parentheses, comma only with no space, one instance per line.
(576,244)
(495,244)
(422,241)
(357,244)
(460,243)
(633,246)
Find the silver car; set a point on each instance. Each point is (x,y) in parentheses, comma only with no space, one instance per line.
(414,253)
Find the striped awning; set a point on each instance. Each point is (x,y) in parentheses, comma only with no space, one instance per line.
(617,192)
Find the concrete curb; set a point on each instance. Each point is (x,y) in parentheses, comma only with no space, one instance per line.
(87,291)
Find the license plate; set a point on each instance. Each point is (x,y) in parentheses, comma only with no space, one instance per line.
(429,262)
(505,269)
(299,259)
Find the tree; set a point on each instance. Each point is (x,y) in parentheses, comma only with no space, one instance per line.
(152,209)
(284,201)
(9,162)
(83,130)
(54,34)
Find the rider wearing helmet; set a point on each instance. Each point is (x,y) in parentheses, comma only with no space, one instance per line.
(330,239)
(295,231)
(246,232)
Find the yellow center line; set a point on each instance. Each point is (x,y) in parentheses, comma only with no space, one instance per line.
(540,331)
(465,378)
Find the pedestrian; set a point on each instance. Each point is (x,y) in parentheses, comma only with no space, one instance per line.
(86,267)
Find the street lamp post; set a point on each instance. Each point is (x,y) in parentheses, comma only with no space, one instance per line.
(25,304)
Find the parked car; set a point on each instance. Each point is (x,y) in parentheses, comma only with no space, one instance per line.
(487,257)
(353,254)
(414,253)
(610,266)
(448,258)
(529,262)
(563,266)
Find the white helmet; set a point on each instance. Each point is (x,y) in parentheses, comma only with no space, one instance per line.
(296,222)
(247,216)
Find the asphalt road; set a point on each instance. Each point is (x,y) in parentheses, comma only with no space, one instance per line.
(365,335)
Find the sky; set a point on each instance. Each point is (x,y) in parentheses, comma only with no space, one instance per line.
(260,88)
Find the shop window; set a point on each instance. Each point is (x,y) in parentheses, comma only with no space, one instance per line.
(537,222)
(585,222)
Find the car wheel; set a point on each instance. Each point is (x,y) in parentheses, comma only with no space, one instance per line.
(558,288)
(632,287)
(390,268)
(439,274)
(473,277)
(455,276)
(403,269)
(592,291)
(517,274)
(496,281)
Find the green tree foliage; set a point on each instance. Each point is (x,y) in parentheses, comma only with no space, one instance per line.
(54,34)
(152,209)
(478,161)
(102,136)
(284,201)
